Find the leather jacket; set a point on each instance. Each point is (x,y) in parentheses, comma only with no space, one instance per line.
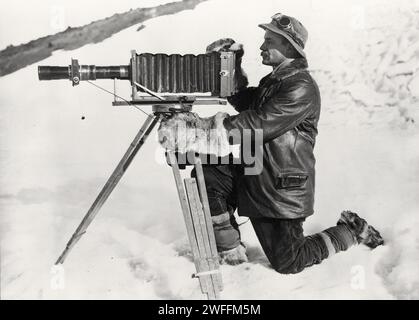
(286,106)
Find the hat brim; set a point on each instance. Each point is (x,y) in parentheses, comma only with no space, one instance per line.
(270,27)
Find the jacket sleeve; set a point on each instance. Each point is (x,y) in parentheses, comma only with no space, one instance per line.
(283,111)
(243,99)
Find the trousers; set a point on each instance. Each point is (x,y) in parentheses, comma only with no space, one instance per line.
(283,241)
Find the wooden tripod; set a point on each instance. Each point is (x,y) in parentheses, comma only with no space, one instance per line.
(194,203)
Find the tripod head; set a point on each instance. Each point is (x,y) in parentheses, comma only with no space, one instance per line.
(170,109)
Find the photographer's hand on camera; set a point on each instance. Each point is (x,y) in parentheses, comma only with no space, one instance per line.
(187,132)
(228,44)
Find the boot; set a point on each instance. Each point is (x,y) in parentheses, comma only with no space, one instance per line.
(234,256)
(363,232)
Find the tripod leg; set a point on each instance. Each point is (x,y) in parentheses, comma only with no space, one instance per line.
(184,203)
(206,268)
(208,221)
(113,180)
(198,230)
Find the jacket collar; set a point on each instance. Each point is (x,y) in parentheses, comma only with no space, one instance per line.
(290,69)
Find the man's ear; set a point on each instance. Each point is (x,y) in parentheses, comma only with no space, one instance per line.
(291,52)
(288,49)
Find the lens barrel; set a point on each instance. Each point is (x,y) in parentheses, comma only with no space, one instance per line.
(110,72)
(86,72)
(53,73)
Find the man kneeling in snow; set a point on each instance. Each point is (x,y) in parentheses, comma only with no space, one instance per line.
(286,106)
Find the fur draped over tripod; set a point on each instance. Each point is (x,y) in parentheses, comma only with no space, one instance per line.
(187,132)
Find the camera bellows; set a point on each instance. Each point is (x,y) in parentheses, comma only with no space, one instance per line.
(180,73)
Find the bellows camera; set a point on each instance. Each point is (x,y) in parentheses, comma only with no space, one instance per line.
(161,73)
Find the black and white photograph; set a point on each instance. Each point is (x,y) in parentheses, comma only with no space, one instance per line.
(209,150)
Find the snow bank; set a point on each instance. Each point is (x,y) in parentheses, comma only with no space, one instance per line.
(399,267)
(53,163)
(31,20)
(375,67)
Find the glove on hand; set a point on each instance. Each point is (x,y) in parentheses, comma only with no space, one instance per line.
(228,44)
(187,132)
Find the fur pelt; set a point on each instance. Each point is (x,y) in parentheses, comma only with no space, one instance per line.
(187,132)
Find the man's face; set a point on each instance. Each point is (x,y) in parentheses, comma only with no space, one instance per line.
(273,48)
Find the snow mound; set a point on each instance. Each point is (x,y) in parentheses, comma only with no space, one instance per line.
(399,266)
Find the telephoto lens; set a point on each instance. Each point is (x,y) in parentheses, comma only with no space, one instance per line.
(76,72)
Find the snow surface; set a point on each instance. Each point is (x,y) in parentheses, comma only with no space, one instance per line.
(365,56)
(31,20)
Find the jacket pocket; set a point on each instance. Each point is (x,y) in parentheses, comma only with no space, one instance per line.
(292,180)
